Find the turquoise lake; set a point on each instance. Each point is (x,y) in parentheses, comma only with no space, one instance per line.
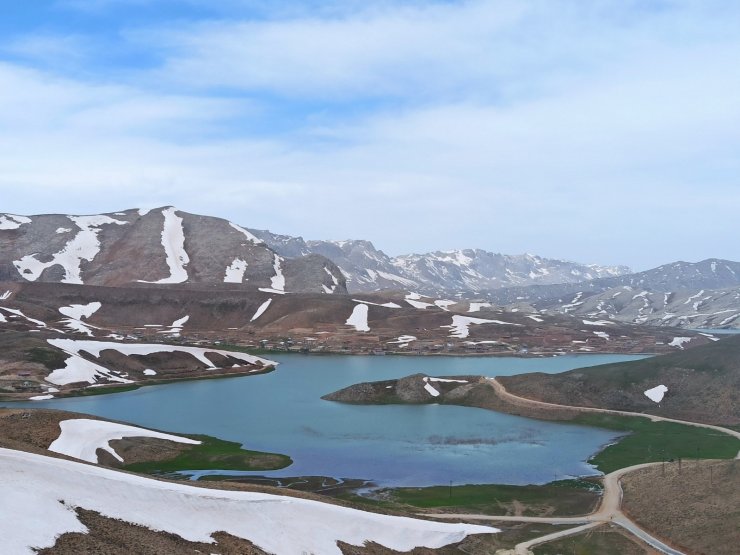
(391,445)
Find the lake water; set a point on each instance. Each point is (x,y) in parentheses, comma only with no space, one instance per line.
(392,444)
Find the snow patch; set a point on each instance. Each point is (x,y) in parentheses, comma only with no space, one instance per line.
(358,318)
(10,221)
(235,272)
(430,389)
(460,324)
(386,305)
(602,334)
(656,393)
(173,241)
(248,235)
(475,307)
(261,309)
(277,282)
(679,341)
(149,372)
(83,246)
(78,369)
(80,438)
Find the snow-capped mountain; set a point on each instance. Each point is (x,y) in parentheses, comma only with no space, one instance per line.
(457,272)
(682,294)
(155,247)
(718,308)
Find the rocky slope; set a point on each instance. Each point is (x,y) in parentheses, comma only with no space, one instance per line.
(442,273)
(152,248)
(705,294)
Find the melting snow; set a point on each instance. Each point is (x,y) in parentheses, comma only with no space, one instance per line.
(83,246)
(61,230)
(5,295)
(248,235)
(277,282)
(149,372)
(235,272)
(535,318)
(334,281)
(656,394)
(40,397)
(358,318)
(460,324)
(443,304)
(679,341)
(602,334)
(17,312)
(446,380)
(433,392)
(173,241)
(34,485)
(80,438)
(598,322)
(9,221)
(79,311)
(386,305)
(261,310)
(78,369)
(475,307)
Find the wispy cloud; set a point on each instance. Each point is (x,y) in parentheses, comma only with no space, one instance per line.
(513,126)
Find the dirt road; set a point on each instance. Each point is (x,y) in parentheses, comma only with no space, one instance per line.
(609,509)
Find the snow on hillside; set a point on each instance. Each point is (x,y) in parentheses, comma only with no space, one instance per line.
(461,324)
(79,369)
(246,233)
(235,272)
(83,246)
(40,493)
(261,309)
(11,221)
(173,241)
(76,312)
(656,393)
(278,280)
(358,318)
(80,438)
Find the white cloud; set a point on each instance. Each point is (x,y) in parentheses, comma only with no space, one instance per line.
(510,126)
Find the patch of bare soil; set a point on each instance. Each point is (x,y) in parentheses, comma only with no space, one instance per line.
(698,509)
(107,536)
(32,429)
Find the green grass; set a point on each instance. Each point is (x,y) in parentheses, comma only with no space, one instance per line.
(567,497)
(214,454)
(656,441)
(90,391)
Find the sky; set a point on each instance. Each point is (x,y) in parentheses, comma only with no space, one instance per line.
(600,131)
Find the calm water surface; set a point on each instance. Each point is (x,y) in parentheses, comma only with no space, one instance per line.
(392,445)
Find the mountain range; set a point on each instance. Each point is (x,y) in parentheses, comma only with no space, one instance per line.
(166,247)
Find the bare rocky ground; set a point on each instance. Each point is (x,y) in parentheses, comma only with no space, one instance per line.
(697,509)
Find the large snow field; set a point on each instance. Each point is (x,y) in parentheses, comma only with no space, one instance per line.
(40,493)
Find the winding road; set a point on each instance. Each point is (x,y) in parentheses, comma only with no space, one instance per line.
(609,509)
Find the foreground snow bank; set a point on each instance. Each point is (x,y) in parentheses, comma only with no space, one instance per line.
(34,485)
(82,437)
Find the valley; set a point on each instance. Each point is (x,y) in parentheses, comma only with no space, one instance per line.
(561,354)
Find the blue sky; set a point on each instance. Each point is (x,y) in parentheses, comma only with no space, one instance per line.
(601,131)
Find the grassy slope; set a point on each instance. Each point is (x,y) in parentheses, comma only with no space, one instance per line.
(214,454)
(703,384)
(656,441)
